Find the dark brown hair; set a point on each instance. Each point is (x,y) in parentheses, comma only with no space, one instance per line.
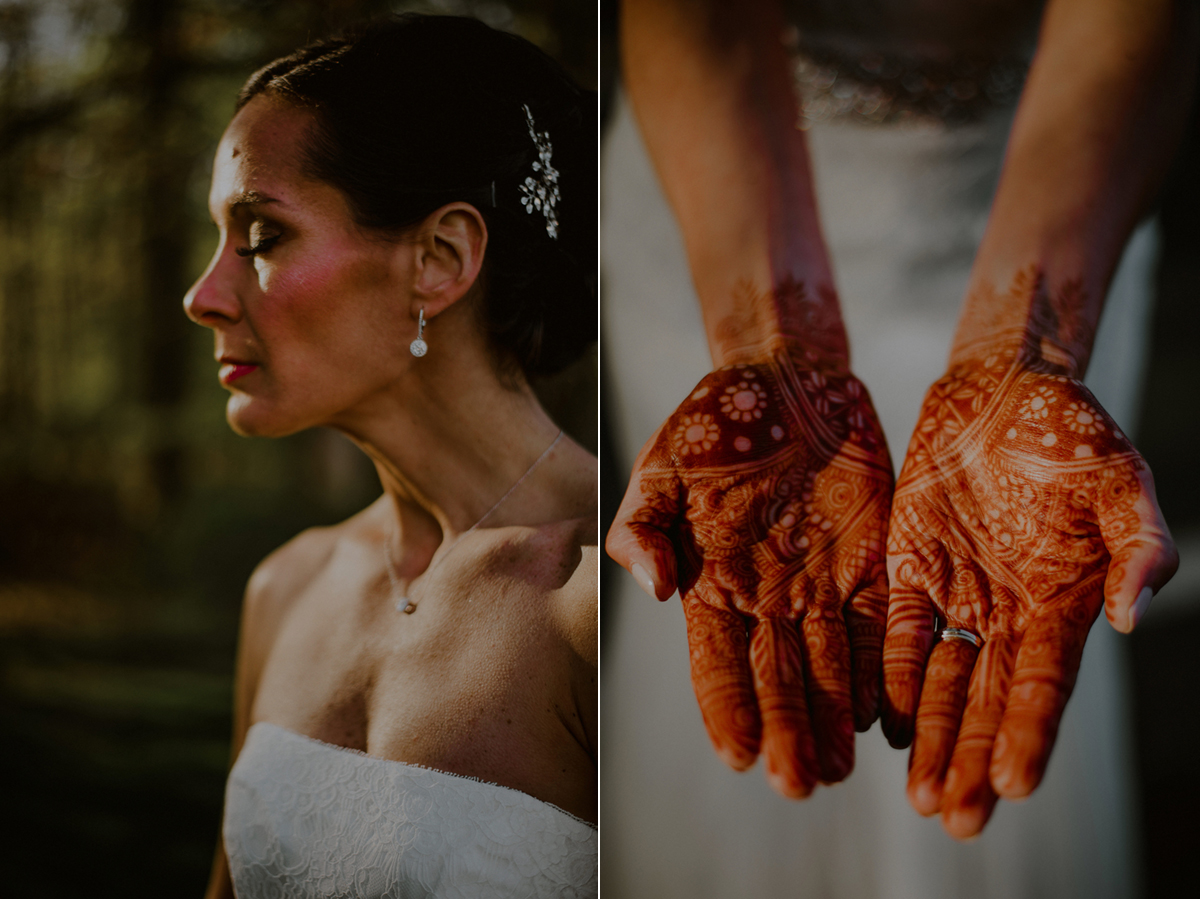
(412,112)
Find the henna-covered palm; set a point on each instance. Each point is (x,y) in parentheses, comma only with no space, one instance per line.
(1020,510)
(764,500)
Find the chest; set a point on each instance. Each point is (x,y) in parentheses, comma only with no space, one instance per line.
(477,680)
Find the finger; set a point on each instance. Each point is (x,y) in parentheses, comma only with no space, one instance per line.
(966,600)
(640,537)
(968,798)
(1143,554)
(943,698)
(827,669)
(866,623)
(777,661)
(720,657)
(1046,666)
(905,650)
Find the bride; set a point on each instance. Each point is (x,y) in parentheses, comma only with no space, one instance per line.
(407,234)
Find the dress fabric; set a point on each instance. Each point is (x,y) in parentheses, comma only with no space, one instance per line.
(903,208)
(309,820)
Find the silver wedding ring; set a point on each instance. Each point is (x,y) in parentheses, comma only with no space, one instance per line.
(958,633)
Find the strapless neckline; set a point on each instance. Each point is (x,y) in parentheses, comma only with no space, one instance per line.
(288,732)
(306,819)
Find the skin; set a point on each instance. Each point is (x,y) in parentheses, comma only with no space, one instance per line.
(494,674)
(1096,127)
(1021,509)
(764,498)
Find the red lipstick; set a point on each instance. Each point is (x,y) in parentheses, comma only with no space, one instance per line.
(234,369)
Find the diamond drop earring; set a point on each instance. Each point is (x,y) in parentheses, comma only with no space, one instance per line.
(419,347)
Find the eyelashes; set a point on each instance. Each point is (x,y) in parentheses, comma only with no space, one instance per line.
(262,246)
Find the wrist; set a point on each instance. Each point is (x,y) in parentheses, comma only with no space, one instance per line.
(792,319)
(1016,349)
(1042,323)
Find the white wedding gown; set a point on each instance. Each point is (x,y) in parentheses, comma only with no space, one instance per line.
(309,820)
(903,208)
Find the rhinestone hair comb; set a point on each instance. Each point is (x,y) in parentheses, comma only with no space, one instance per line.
(541,193)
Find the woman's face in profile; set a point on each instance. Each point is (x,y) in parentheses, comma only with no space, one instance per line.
(306,307)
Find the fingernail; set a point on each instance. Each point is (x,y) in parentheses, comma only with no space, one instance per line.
(1139,606)
(642,576)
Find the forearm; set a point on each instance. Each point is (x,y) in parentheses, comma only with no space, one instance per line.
(711,87)
(1099,120)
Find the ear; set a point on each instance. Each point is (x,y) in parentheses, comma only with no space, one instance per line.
(449,250)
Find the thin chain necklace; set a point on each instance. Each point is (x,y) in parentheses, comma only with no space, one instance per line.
(403,603)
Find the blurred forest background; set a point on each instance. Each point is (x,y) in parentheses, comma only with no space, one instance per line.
(130,515)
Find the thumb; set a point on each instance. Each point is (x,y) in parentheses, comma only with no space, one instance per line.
(1143,555)
(640,537)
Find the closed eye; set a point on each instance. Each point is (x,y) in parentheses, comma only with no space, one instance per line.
(263,245)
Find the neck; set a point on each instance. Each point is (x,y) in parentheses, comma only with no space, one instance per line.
(449,441)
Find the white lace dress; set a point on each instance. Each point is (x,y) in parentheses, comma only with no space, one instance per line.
(309,820)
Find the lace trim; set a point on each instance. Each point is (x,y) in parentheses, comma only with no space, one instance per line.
(374,758)
(841,80)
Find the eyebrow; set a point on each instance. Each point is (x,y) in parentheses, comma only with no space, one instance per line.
(250,198)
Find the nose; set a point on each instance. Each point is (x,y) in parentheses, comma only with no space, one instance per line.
(212,300)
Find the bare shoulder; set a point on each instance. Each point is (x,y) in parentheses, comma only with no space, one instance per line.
(286,574)
(283,576)
(272,591)
(558,561)
(579,601)
(575,602)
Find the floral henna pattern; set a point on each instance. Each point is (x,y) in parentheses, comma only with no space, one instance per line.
(770,484)
(1020,507)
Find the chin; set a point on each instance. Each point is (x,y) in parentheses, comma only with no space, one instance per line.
(255,417)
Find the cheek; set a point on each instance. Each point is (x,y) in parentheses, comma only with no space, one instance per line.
(296,298)
(327,312)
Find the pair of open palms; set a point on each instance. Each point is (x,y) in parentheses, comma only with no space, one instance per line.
(811,587)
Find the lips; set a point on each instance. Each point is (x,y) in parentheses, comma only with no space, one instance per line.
(234,369)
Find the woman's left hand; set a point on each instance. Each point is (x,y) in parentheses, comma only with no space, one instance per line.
(1020,510)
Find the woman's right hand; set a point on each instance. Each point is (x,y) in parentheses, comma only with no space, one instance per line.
(764,500)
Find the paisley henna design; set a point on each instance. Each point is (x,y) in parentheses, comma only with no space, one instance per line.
(1054,329)
(1021,509)
(718,645)
(968,797)
(809,322)
(943,698)
(764,498)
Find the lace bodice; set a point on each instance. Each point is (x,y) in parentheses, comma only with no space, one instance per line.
(893,61)
(307,819)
